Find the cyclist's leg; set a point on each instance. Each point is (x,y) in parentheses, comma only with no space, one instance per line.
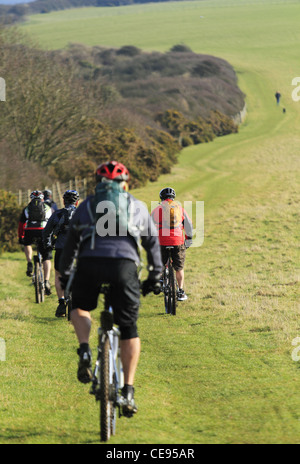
(28,253)
(61,309)
(125,301)
(85,291)
(47,269)
(178,256)
(47,256)
(59,290)
(82,323)
(180,278)
(130,354)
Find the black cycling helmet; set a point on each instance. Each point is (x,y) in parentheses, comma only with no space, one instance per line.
(71,196)
(47,194)
(167,192)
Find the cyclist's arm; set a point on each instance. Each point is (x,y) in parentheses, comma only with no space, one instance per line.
(21,229)
(48,230)
(22,223)
(71,245)
(150,243)
(188,226)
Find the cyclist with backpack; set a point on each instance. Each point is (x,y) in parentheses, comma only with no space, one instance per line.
(175,229)
(54,235)
(106,235)
(32,222)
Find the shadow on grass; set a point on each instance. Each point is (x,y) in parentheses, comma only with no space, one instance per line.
(10,436)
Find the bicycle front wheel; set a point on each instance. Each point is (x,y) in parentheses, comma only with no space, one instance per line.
(106,405)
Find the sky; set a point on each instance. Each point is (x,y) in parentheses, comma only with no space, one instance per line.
(14,2)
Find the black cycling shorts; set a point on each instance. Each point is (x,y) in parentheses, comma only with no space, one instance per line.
(35,236)
(123,277)
(57,256)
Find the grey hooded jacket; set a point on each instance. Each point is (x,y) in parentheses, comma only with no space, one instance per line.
(104,243)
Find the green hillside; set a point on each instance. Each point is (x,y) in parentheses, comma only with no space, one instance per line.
(221,371)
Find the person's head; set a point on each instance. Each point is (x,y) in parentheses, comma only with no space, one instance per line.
(113,171)
(47,194)
(71,197)
(167,193)
(36,194)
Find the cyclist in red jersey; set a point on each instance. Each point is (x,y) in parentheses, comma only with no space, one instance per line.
(31,226)
(175,230)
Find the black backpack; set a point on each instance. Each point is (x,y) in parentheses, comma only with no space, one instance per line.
(36,210)
(63,224)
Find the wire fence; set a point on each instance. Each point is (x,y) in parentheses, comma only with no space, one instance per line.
(58,189)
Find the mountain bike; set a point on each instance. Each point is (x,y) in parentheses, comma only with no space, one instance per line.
(108,376)
(169,286)
(38,278)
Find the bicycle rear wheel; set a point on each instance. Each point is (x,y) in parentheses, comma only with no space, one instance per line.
(38,281)
(166,288)
(172,297)
(41,283)
(106,405)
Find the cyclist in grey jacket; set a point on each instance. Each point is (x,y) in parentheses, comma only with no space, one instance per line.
(54,235)
(104,256)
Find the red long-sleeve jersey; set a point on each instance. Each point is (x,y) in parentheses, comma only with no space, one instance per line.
(172,236)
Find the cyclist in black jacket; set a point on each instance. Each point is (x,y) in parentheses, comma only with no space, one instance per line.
(113,259)
(54,235)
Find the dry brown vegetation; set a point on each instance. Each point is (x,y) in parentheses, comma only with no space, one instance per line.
(67,111)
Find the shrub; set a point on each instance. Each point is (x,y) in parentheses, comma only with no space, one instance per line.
(196,131)
(222,124)
(180,48)
(186,141)
(9,220)
(128,50)
(206,69)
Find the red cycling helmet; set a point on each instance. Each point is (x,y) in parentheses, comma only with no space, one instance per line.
(113,171)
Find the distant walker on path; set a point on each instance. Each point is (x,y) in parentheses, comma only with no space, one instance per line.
(277,96)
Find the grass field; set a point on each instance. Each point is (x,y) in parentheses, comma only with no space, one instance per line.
(221,371)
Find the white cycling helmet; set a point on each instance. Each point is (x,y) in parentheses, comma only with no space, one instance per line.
(37,194)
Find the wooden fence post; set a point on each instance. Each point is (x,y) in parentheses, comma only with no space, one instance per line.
(59,194)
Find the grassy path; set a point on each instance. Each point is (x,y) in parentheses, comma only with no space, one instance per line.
(221,371)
